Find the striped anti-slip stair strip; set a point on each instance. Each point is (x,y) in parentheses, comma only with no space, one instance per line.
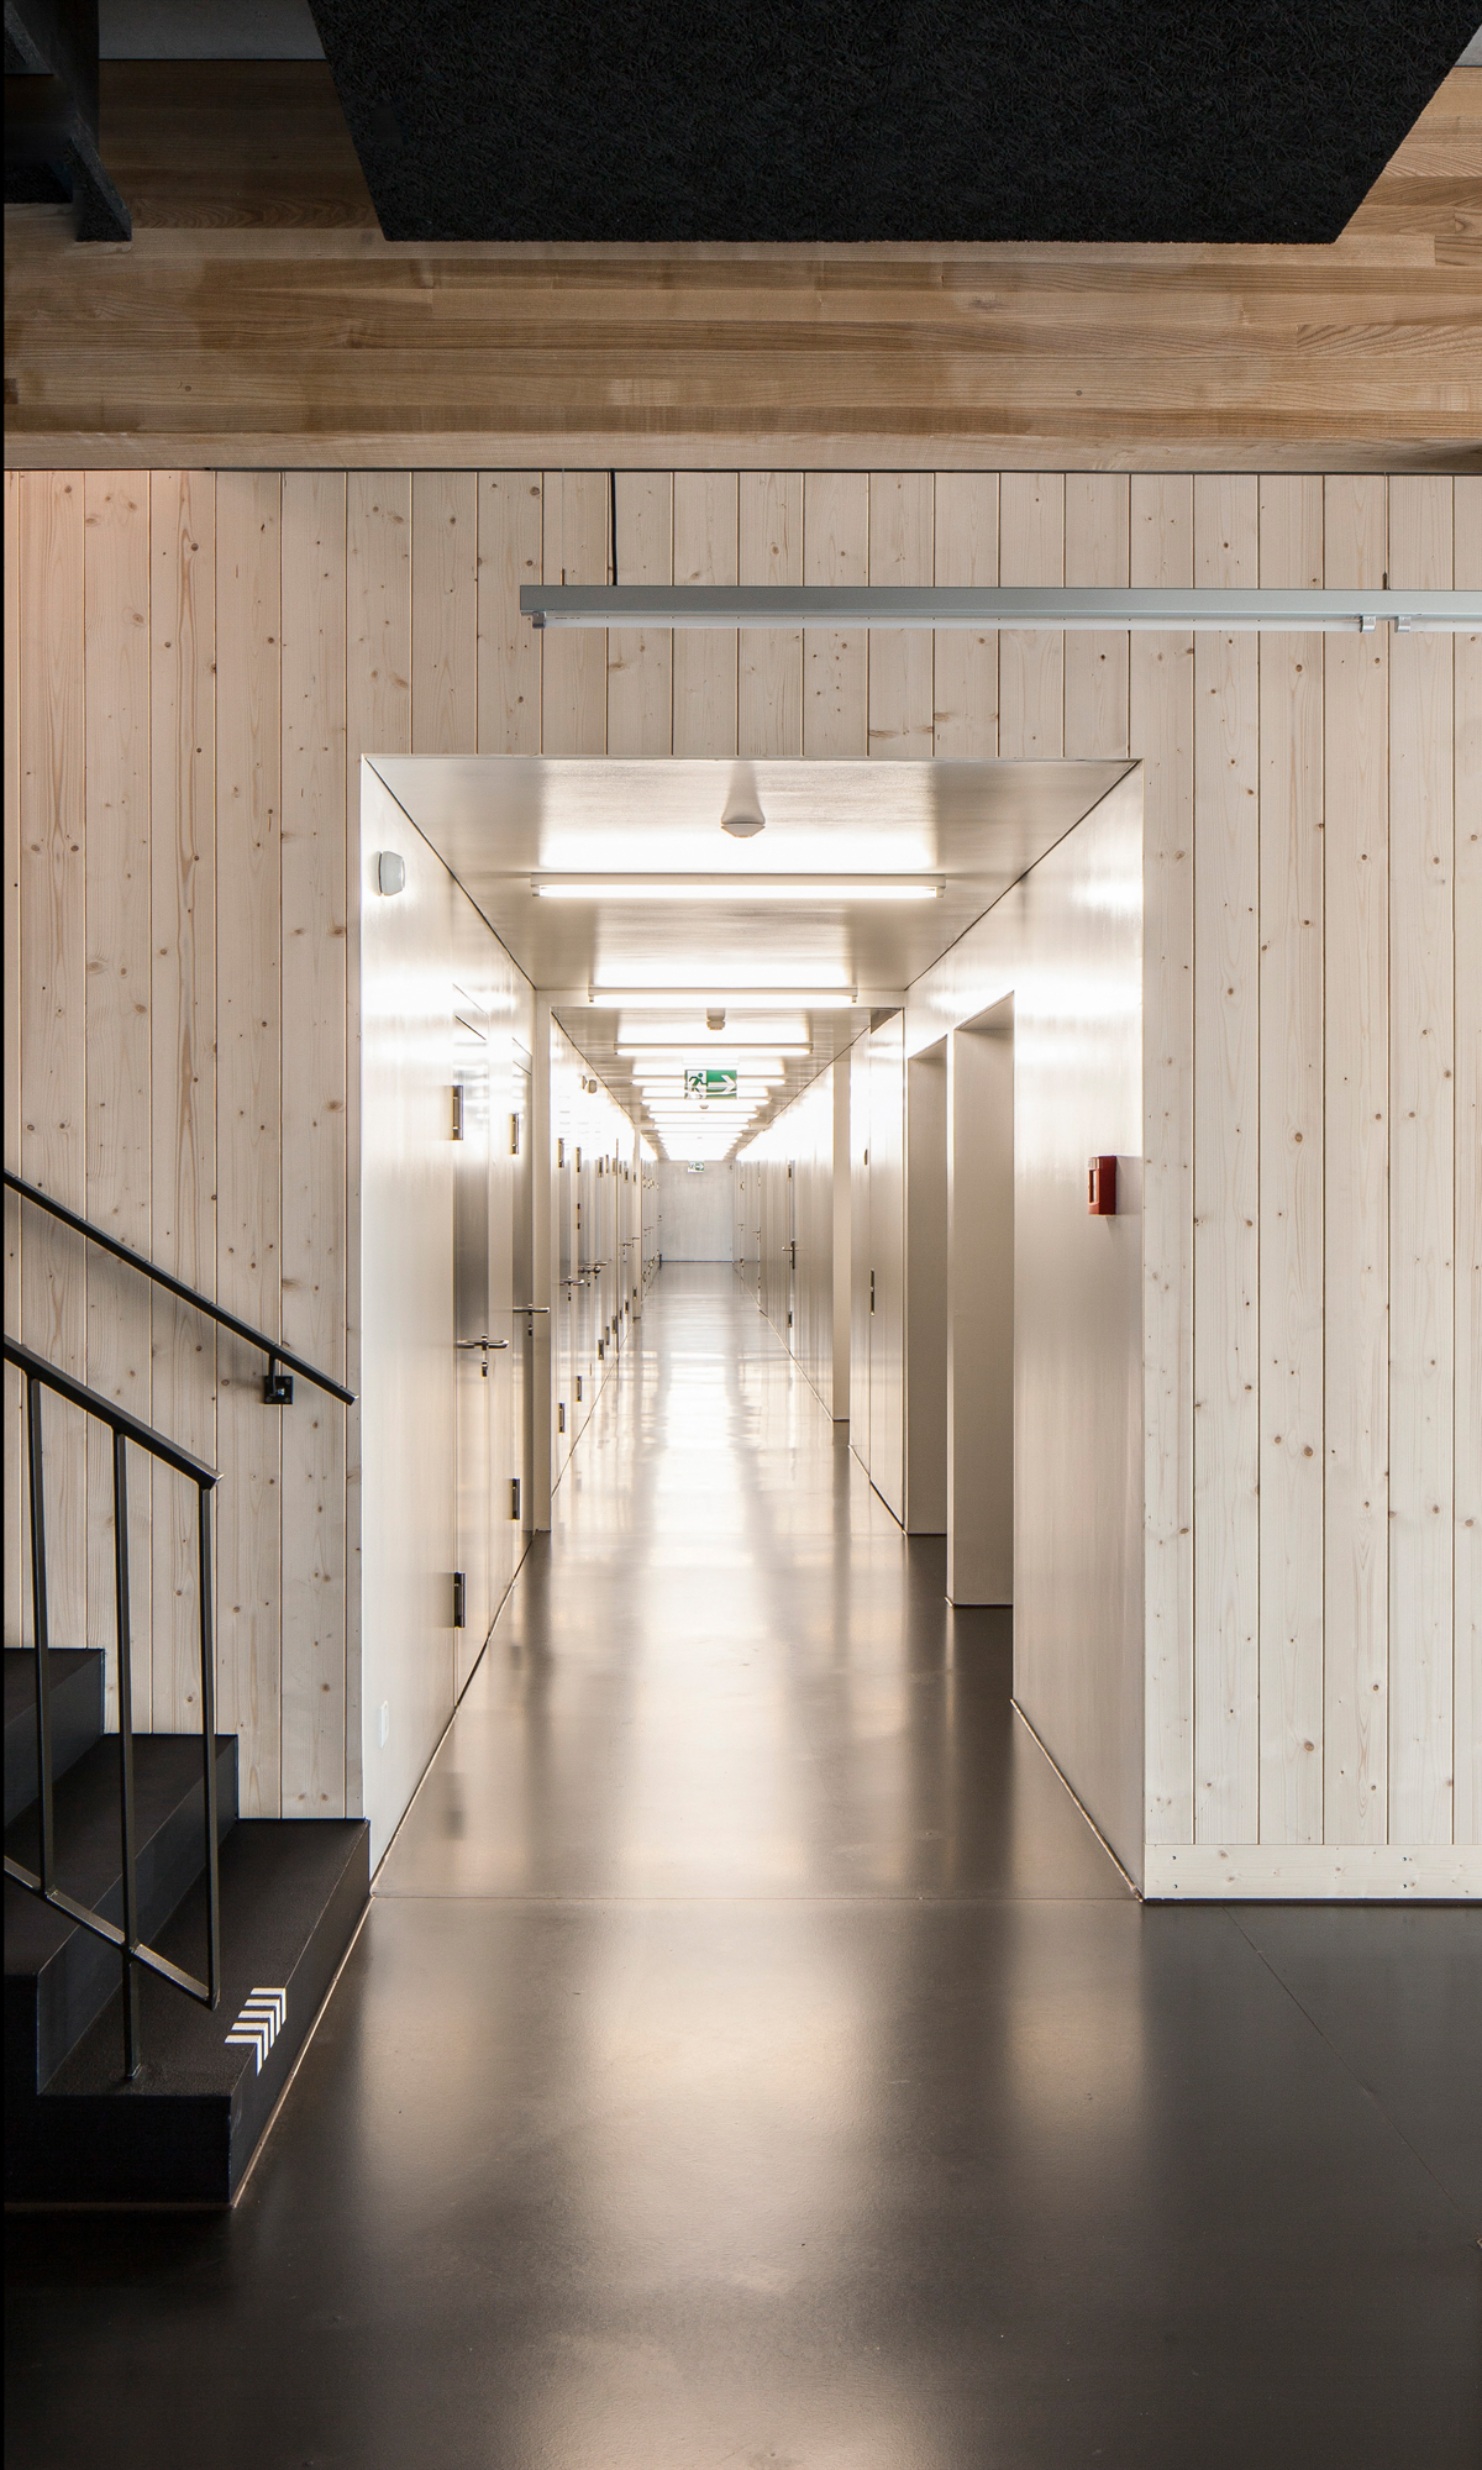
(260,2022)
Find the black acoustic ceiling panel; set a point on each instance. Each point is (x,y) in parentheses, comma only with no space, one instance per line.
(922,120)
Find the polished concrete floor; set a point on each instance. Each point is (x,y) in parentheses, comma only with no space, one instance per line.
(753,2059)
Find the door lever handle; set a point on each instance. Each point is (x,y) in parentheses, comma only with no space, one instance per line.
(486,1343)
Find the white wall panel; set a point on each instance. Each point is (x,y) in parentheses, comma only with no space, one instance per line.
(595,1203)
(1066,944)
(926,1300)
(424,954)
(407,1360)
(885,1263)
(696,1210)
(787,1178)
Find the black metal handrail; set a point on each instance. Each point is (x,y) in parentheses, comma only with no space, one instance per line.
(277,1385)
(38,1375)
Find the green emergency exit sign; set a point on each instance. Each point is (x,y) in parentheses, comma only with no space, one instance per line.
(704,1083)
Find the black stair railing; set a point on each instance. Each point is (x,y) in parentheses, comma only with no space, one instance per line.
(277,1386)
(127,1432)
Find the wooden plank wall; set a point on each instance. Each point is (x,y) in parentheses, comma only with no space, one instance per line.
(194,664)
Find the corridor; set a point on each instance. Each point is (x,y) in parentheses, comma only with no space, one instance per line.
(753,2057)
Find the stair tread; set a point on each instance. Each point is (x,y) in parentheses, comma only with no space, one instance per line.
(185,2130)
(76,1716)
(20,1674)
(277,1878)
(167,1770)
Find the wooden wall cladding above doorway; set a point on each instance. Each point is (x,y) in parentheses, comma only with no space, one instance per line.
(258,318)
(195,663)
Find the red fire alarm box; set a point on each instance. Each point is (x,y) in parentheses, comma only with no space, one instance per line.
(1101,1188)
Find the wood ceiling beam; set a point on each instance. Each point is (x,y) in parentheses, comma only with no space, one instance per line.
(251,344)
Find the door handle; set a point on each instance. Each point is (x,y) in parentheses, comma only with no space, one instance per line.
(485,1343)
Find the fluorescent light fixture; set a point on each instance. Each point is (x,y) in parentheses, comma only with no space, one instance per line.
(736,887)
(991,607)
(718,1059)
(693,1021)
(724,998)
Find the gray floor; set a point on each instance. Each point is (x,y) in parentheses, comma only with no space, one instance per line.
(753,2059)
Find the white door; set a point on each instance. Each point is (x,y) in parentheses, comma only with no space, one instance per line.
(887,1333)
(522,1329)
(474,1613)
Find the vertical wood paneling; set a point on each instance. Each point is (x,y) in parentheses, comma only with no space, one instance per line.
(509,555)
(1031,663)
(445,588)
(1320,988)
(706,533)
(1226,1182)
(965,665)
(769,661)
(576,547)
(249,1115)
(1422,1193)
(1356,1176)
(1291,1179)
(182,1039)
(116,798)
(640,660)
(313,1139)
(1467,1612)
(12,1531)
(1097,551)
(836,549)
(53,1036)
(378,619)
(378,720)
(1161,700)
(902,516)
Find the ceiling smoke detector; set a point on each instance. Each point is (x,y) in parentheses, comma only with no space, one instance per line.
(715,1020)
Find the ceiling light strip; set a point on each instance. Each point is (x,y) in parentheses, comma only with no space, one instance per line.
(736,887)
(991,607)
(713,998)
(720,1057)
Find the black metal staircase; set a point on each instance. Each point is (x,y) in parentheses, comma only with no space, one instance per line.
(184,2127)
(164,1959)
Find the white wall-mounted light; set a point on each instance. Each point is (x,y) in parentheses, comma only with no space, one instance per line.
(391,873)
(732,887)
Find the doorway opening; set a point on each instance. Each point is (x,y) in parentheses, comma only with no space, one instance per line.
(978,1418)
